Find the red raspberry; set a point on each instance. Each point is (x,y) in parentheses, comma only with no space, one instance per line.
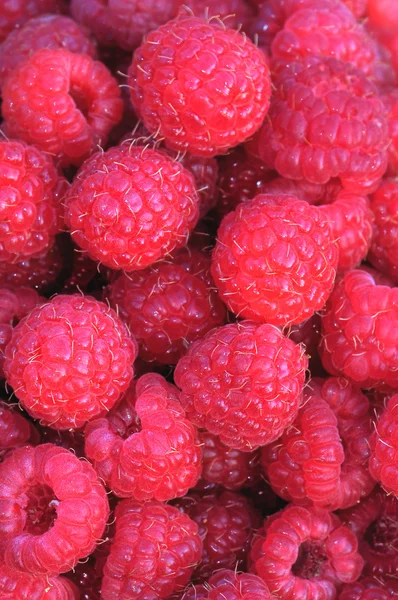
(153,554)
(131,206)
(30,201)
(323,457)
(226,524)
(275,260)
(55,509)
(384,250)
(313,193)
(242,382)
(307,553)
(235,14)
(360,331)
(46,31)
(15,585)
(123,22)
(83,272)
(383,462)
(71,439)
(229,584)
(307,333)
(383,17)
(85,344)
(357,7)
(64,103)
(390,102)
(209,94)
(366,589)
(39,271)
(14,14)
(169,305)
(325,121)
(15,430)
(146,448)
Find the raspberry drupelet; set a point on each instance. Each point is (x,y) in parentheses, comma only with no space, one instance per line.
(242,382)
(86,345)
(234,14)
(131,206)
(169,305)
(383,253)
(146,448)
(229,584)
(200,86)
(15,430)
(39,271)
(14,14)
(153,553)
(275,260)
(64,103)
(383,462)
(365,589)
(15,585)
(55,509)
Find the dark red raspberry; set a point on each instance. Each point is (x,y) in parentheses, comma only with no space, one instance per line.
(236,14)
(307,333)
(229,584)
(64,103)
(46,31)
(15,430)
(15,585)
(360,331)
(55,509)
(209,94)
(325,120)
(86,345)
(131,206)
(153,554)
(275,260)
(323,457)
(146,449)
(169,305)
(15,13)
(384,250)
(242,382)
(383,462)
(366,589)
(83,272)
(307,553)
(39,271)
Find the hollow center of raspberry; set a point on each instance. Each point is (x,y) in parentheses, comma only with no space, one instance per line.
(310,561)
(126,425)
(80,99)
(40,509)
(382,535)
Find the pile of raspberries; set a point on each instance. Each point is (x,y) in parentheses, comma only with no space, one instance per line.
(199,300)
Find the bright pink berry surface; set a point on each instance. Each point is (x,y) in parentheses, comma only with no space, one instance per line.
(15,430)
(384,249)
(229,584)
(15,585)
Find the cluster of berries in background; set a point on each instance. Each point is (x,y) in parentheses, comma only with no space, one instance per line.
(199,300)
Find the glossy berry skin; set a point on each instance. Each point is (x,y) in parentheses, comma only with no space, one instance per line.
(16,13)
(235,14)
(390,101)
(383,462)
(146,449)
(62,102)
(153,553)
(322,459)
(365,589)
(39,271)
(15,585)
(86,345)
(229,584)
(275,260)
(359,331)
(383,253)
(56,509)
(112,212)
(47,31)
(204,102)
(242,382)
(15,430)
(325,553)
(303,139)
(169,305)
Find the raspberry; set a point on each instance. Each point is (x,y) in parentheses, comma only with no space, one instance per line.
(325,121)
(307,333)
(71,439)
(390,102)
(146,448)
(64,103)
(83,272)
(153,554)
(359,331)
(46,31)
(15,430)
(366,589)
(200,86)
(229,584)
(55,509)
(275,260)
(169,305)
(89,349)
(39,271)
(242,382)
(313,193)
(383,254)
(383,464)
(235,14)
(123,22)
(14,14)
(357,7)
(323,457)
(131,206)
(307,553)
(15,585)
(383,17)
(30,195)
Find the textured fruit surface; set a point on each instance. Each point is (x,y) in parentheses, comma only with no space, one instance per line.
(15,13)
(15,430)
(383,462)
(229,584)
(15,585)
(384,249)
(235,14)
(86,345)
(242,382)
(366,589)
(39,271)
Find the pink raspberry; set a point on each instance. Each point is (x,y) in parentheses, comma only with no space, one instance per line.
(15,585)
(235,14)
(131,206)
(307,553)
(313,193)
(229,584)
(383,17)
(325,121)
(365,589)
(15,13)
(357,7)
(146,448)
(275,260)
(383,464)
(242,382)
(86,345)
(15,430)
(210,93)
(39,271)
(323,457)
(383,253)
(153,553)
(390,101)
(55,509)
(46,31)
(64,103)
(360,331)
(169,305)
